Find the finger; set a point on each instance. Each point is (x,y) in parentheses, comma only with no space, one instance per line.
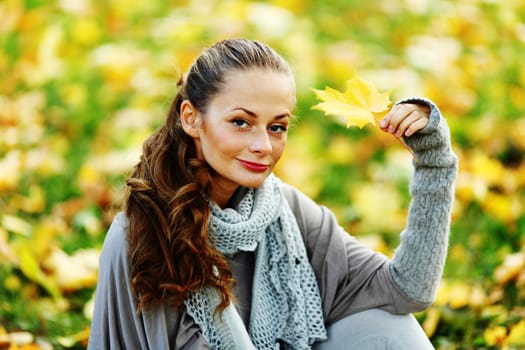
(391,122)
(416,126)
(396,116)
(386,122)
(383,124)
(405,123)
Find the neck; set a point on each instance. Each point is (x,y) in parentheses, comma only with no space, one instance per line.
(221,195)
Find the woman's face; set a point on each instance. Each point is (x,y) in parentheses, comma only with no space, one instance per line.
(243,132)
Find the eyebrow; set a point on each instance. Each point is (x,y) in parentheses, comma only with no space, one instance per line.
(253,114)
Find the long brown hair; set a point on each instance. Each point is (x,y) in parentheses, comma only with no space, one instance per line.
(168,214)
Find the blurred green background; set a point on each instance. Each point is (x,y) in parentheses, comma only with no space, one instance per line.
(84,82)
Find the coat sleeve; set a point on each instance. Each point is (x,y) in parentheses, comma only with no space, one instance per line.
(352,277)
(418,262)
(116,324)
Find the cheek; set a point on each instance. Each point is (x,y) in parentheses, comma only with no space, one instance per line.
(217,146)
(278,149)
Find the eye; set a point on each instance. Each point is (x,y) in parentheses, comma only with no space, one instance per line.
(278,128)
(240,123)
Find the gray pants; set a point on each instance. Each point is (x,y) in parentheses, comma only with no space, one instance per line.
(375,330)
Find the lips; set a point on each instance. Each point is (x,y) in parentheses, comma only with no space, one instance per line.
(257,167)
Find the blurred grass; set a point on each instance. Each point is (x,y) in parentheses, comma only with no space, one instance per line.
(84,82)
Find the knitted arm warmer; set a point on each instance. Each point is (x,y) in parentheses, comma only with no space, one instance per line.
(418,262)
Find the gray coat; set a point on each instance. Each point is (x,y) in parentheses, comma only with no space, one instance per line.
(351,277)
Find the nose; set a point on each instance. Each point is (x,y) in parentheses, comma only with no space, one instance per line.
(261,143)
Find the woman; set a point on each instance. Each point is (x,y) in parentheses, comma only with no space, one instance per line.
(214,252)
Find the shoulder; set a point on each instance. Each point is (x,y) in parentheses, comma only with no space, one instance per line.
(300,203)
(116,244)
(297,200)
(310,216)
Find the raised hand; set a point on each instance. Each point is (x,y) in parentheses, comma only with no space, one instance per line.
(405,119)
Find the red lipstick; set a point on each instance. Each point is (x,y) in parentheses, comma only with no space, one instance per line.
(257,167)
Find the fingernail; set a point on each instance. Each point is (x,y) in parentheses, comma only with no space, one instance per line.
(382,123)
(390,129)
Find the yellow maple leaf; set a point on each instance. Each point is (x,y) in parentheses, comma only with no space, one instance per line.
(517,334)
(357,103)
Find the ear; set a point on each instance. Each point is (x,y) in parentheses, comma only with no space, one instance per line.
(189,118)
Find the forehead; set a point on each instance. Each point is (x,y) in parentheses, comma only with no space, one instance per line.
(256,85)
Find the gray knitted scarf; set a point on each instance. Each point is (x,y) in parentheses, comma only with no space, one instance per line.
(285,304)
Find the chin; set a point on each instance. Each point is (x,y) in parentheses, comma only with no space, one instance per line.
(255,181)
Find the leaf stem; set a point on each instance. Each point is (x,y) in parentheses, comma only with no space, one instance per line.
(400,139)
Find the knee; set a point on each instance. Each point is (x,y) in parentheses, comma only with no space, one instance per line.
(376,329)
